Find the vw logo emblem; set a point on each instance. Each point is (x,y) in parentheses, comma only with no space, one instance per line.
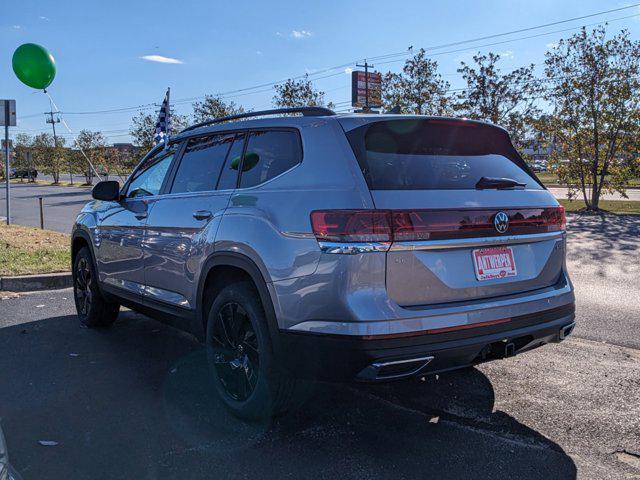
(501,222)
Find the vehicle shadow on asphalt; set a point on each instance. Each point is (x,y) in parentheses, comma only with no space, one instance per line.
(606,241)
(135,401)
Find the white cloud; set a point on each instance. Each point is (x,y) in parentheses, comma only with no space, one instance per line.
(17,27)
(300,34)
(506,54)
(258,52)
(42,17)
(278,34)
(348,70)
(160,59)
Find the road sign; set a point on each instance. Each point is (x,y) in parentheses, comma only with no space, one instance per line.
(365,85)
(4,145)
(7,119)
(10,119)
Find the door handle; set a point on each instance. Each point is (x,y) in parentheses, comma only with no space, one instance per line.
(202,215)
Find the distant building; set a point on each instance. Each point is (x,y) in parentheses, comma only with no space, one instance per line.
(536,152)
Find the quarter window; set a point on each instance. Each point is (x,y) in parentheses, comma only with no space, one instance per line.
(201,163)
(269,153)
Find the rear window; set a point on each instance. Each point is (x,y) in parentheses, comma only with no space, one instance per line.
(407,154)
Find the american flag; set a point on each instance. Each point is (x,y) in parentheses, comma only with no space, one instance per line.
(163,126)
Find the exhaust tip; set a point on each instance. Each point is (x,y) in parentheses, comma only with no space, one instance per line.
(566,330)
(394,370)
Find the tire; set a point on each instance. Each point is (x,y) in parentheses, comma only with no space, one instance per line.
(240,356)
(93,309)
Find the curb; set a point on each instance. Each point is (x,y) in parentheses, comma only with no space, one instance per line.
(31,283)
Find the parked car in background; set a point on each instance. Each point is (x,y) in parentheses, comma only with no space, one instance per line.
(339,247)
(30,173)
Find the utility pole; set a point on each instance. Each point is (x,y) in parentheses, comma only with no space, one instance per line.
(53,122)
(366,84)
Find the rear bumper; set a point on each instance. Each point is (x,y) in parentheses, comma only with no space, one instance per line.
(339,358)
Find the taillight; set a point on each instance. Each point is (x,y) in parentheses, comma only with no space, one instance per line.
(352,225)
(555,219)
(415,225)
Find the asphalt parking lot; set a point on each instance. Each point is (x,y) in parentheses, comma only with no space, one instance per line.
(134,401)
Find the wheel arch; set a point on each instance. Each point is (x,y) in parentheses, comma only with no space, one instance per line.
(239,266)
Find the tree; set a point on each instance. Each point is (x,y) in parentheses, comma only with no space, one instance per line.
(93,145)
(594,89)
(418,89)
(508,100)
(22,155)
(49,157)
(120,161)
(144,126)
(298,93)
(214,107)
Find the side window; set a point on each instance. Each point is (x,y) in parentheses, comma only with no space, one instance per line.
(148,179)
(229,175)
(201,163)
(269,153)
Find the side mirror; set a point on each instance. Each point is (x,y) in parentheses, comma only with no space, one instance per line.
(108,190)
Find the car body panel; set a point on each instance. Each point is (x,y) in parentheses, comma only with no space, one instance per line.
(176,244)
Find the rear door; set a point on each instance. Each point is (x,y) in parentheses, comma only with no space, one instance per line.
(183,221)
(456,239)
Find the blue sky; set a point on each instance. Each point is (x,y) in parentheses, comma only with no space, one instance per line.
(225,46)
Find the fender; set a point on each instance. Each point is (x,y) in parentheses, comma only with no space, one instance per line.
(238,260)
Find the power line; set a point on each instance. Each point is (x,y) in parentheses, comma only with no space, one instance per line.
(244,91)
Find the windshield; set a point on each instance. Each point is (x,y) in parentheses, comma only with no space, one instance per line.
(408,154)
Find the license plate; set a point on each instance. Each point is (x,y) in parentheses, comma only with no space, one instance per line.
(492,263)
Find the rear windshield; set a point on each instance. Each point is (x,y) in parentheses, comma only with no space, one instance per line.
(407,154)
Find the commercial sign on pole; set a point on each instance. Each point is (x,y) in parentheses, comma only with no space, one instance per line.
(366,91)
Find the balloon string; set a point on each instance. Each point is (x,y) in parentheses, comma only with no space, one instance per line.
(71,131)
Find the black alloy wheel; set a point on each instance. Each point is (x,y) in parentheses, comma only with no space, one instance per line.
(236,352)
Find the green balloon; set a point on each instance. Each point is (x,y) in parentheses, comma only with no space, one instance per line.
(250,161)
(34,65)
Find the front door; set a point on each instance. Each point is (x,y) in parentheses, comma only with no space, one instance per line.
(120,228)
(183,222)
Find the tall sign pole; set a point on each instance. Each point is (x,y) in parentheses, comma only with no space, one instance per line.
(366,90)
(8,107)
(366,84)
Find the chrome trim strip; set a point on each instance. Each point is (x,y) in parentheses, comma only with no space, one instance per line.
(304,235)
(166,296)
(475,242)
(353,248)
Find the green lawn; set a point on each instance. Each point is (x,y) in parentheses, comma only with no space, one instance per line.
(622,207)
(28,250)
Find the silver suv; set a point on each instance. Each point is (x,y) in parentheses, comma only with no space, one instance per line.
(324,246)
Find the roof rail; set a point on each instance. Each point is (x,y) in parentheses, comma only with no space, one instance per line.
(305,111)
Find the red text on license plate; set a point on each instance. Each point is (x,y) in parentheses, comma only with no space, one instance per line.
(492,263)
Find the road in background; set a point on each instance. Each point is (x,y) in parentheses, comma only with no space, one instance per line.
(61,205)
(632,194)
